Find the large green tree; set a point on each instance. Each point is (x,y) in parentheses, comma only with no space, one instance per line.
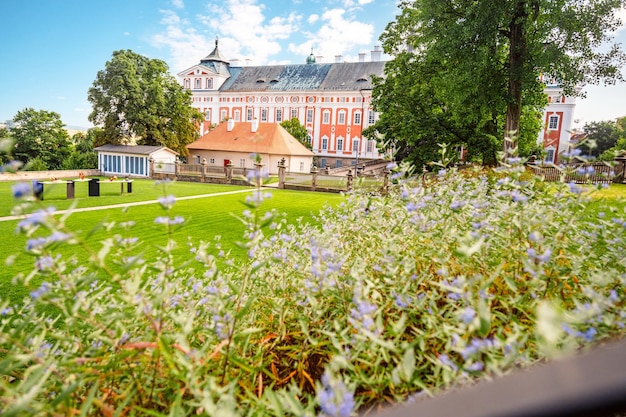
(40,136)
(135,99)
(480,63)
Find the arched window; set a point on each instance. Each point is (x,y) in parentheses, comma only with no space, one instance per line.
(209,83)
(341,117)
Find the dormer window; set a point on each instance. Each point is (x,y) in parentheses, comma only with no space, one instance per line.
(260,81)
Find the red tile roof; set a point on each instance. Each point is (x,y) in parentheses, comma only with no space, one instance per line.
(269,138)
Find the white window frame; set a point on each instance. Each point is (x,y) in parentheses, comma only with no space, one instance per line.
(357,118)
(341,117)
(326,117)
(309,116)
(325,143)
(237,115)
(553,122)
(279,115)
(340,144)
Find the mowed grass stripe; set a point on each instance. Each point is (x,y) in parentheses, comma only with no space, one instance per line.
(206,218)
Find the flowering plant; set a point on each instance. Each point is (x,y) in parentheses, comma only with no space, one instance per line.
(439,281)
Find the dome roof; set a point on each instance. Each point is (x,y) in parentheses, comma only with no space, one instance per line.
(311,58)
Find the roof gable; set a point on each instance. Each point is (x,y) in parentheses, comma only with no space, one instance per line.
(269,138)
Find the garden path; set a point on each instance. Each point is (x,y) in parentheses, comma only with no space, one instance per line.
(124,205)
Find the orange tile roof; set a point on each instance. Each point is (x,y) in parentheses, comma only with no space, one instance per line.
(269,138)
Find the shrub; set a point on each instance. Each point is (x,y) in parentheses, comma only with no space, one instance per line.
(439,281)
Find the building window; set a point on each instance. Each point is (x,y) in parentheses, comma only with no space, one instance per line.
(340,144)
(209,83)
(197,83)
(324,143)
(223,115)
(249,115)
(309,138)
(326,117)
(341,117)
(370,146)
(294,113)
(309,116)
(187,83)
(279,115)
(242,163)
(553,123)
(238,115)
(301,166)
(207,115)
(264,115)
(357,118)
(355,145)
(212,161)
(549,155)
(371,117)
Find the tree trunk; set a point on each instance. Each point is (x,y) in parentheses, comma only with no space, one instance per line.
(517,53)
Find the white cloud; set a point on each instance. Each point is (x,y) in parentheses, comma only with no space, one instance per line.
(185,44)
(313,19)
(243,25)
(178,4)
(339,35)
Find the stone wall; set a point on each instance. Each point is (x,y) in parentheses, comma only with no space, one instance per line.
(46,175)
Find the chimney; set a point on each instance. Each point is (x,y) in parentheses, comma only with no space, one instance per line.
(231,125)
(338,59)
(361,56)
(234,62)
(376,54)
(255,125)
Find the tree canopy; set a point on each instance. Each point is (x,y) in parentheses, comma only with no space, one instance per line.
(298,131)
(135,99)
(473,72)
(40,136)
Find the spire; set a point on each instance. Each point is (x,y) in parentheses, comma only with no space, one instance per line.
(215,55)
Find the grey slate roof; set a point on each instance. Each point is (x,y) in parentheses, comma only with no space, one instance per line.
(352,76)
(132,149)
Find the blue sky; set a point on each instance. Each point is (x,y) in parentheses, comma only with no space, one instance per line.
(51,50)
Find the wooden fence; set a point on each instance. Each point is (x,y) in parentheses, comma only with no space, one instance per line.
(581,173)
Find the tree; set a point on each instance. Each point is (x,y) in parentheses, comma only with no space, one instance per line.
(135,100)
(83,155)
(298,131)
(490,55)
(601,136)
(40,135)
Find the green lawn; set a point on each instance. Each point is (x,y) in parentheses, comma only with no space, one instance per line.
(55,194)
(206,217)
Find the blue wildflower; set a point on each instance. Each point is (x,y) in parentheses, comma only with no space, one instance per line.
(167,202)
(334,398)
(467,316)
(21,189)
(43,289)
(446,361)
